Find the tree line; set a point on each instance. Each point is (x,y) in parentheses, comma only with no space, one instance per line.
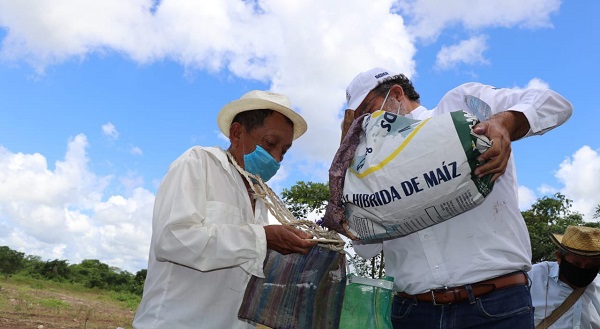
(90,273)
(549,214)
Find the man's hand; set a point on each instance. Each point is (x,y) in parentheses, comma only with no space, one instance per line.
(501,129)
(286,239)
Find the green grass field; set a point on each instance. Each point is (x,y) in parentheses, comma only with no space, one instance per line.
(41,304)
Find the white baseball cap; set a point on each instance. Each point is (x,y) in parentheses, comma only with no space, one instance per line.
(256,100)
(362,85)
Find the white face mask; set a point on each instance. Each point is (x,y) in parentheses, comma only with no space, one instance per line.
(384,100)
(401,110)
(398,110)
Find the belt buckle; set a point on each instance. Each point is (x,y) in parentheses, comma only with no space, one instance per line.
(432,291)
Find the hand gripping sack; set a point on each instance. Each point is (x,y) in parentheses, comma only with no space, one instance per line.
(298,291)
(367,303)
(402,175)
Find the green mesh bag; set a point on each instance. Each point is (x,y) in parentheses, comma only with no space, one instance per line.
(367,303)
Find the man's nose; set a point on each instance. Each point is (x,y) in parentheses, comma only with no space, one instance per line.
(277,155)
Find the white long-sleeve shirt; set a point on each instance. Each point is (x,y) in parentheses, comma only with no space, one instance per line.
(548,292)
(206,243)
(489,240)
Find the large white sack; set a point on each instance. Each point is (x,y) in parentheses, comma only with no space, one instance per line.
(407,175)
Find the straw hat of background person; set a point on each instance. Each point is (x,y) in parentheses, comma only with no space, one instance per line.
(258,100)
(579,240)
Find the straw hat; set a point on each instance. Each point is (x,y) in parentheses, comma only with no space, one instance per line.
(257,100)
(579,240)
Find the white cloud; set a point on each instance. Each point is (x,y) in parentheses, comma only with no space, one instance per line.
(273,44)
(467,52)
(136,151)
(44,33)
(527,197)
(546,189)
(580,174)
(537,83)
(428,18)
(131,181)
(110,131)
(61,213)
(280,177)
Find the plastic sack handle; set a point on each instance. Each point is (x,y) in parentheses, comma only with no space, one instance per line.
(379,283)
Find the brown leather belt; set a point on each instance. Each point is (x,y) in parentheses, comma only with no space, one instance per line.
(459,294)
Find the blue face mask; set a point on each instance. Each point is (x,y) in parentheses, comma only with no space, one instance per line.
(261,164)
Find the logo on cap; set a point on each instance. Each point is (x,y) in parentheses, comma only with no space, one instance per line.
(382,74)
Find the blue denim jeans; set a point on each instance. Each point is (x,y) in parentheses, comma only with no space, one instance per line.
(507,308)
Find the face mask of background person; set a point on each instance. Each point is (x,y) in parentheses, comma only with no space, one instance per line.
(576,276)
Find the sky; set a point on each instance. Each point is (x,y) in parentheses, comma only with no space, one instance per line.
(98,97)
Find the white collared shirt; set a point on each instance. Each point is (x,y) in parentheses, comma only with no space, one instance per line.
(206,243)
(489,240)
(548,292)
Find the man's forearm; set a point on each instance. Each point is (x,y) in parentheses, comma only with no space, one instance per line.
(515,123)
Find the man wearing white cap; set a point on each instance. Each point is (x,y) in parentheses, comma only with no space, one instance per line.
(209,233)
(469,271)
(566,293)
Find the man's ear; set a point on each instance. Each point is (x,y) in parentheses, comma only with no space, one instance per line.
(558,257)
(235,134)
(396,92)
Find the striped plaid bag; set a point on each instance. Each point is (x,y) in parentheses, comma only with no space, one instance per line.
(298,291)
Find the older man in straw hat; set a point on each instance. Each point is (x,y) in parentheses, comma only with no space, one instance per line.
(566,293)
(209,234)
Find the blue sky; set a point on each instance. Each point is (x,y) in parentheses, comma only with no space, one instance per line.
(99,97)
